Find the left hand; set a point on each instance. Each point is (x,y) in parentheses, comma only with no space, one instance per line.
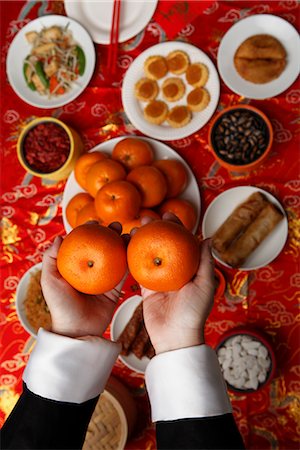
(75,314)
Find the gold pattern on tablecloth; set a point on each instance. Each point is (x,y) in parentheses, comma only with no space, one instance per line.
(268,435)
(9,233)
(8,399)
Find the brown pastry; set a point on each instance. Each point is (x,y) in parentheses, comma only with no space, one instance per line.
(155,67)
(173,89)
(146,89)
(179,116)
(260,59)
(197,74)
(177,62)
(156,112)
(198,99)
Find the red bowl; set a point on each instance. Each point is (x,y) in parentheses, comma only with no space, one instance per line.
(264,340)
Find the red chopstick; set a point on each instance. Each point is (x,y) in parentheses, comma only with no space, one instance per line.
(114,38)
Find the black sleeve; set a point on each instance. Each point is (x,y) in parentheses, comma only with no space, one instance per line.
(39,423)
(218,432)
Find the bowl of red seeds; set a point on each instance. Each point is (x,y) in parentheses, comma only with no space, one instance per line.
(48,148)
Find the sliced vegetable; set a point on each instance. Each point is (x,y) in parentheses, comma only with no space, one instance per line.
(53,85)
(41,74)
(81,60)
(30,84)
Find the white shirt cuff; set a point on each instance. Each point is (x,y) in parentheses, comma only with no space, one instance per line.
(186,383)
(69,370)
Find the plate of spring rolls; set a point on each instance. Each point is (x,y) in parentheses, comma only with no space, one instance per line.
(128,328)
(248,227)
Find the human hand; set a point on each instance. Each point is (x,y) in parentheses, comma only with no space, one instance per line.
(75,314)
(176,319)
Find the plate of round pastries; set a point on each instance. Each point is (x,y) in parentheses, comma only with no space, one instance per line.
(248,227)
(171,90)
(259,56)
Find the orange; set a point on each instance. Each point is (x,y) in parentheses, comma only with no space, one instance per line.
(75,205)
(133,152)
(103,172)
(151,183)
(118,201)
(84,163)
(136,222)
(88,212)
(163,256)
(92,259)
(176,175)
(183,209)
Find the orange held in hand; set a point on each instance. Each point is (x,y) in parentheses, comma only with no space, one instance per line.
(163,256)
(151,183)
(75,205)
(133,152)
(92,259)
(84,163)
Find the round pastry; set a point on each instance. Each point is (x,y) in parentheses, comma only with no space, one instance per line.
(198,99)
(177,62)
(155,67)
(173,89)
(197,74)
(156,112)
(260,59)
(179,116)
(146,89)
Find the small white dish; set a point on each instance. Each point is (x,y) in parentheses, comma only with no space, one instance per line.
(134,108)
(223,205)
(20,48)
(96,16)
(119,322)
(161,151)
(20,298)
(242,30)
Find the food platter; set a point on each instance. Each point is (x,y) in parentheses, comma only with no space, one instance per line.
(250,26)
(134,108)
(96,16)
(20,49)
(120,320)
(161,151)
(223,205)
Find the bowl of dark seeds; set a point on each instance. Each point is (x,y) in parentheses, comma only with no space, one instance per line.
(241,137)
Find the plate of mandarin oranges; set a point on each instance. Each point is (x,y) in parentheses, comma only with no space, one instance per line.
(127,178)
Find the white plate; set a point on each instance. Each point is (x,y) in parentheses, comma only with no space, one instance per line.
(245,28)
(20,48)
(223,205)
(134,108)
(161,151)
(96,16)
(119,322)
(21,295)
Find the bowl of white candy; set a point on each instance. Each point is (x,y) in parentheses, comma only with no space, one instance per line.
(247,360)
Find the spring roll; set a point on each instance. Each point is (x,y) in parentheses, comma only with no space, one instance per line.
(238,221)
(139,344)
(256,232)
(131,330)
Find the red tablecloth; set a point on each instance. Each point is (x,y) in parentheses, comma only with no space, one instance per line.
(32,215)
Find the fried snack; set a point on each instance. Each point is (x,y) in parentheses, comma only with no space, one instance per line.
(256,232)
(179,116)
(198,99)
(173,89)
(177,62)
(139,344)
(197,74)
(156,112)
(260,59)
(131,330)
(155,67)
(146,89)
(238,221)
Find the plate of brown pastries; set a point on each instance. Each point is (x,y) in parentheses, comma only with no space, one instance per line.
(171,90)
(259,56)
(128,328)
(248,227)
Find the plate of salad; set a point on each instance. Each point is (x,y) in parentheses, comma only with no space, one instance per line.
(50,61)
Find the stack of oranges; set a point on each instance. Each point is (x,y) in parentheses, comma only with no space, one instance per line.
(129,185)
